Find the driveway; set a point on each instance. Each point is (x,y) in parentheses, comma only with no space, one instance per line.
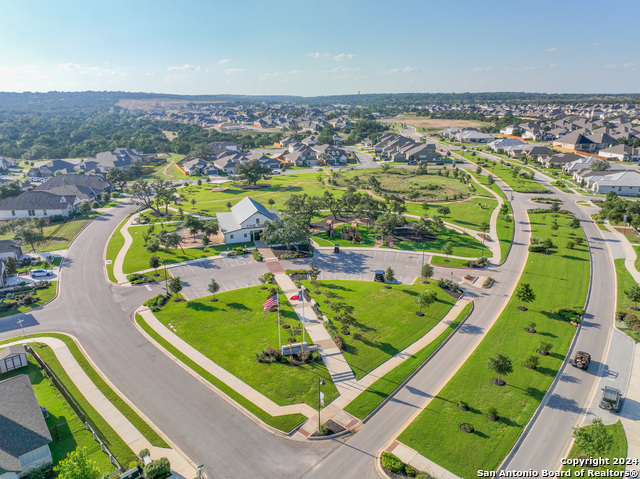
(233,272)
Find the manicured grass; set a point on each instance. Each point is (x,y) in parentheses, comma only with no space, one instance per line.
(118,447)
(284,423)
(466,214)
(624,282)
(464,454)
(173,173)
(367,401)
(505,233)
(582,203)
(116,242)
(618,450)
(505,173)
(463,244)
(232,330)
(449,262)
(57,240)
(45,295)
(67,430)
(368,238)
(637,261)
(386,320)
(137,257)
(599,223)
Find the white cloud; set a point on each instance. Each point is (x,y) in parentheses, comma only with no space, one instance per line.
(551,50)
(318,55)
(344,56)
(231,71)
(270,76)
(185,68)
(481,69)
(524,69)
(611,66)
(553,66)
(223,61)
(295,72)
(69,66)
(392,71)
(629,65)
(410,69)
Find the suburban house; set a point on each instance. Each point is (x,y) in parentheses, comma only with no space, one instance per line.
(198,166)
(25,438)
(506,144)
(245,221)
(625,182)
(12,358)
(401,148)
(471,135)
(85,187)
(227,161)
(304,156)
(220,147)
(10,248)
(557,161)
(330,154)
(587,162)
(621,153)
(37,204)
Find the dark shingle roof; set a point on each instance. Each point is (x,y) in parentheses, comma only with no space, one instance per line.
(21,422)
(9,246)
(84,187)
(12,350)
(37,200)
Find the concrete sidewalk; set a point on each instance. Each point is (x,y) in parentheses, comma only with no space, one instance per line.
(121,278)
(180,463)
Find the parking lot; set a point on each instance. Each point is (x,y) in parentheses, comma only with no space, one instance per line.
(231,273)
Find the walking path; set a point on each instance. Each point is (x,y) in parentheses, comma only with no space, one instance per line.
(121,278)
(180,463)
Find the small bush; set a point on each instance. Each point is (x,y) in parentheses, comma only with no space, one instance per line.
(157,302)
(620,315)
(143,453)
(157,469)
(257,256)
(392,463)
(323,430)
(339,341)
(532,362)
(269,355)
(492,412)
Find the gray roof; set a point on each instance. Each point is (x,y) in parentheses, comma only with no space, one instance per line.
(9,246)
(37,200)
(240,212)
(11,351)
(85,187)
(21,422)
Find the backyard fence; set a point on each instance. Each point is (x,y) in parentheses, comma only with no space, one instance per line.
(74,405)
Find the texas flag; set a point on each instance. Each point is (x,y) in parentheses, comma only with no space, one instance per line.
(297,297)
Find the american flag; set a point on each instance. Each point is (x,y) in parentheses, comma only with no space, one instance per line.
(268,304)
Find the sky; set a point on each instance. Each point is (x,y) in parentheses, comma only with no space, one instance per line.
(313,48)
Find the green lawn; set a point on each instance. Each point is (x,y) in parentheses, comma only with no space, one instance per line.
(231,331)
(463,244)
(386,320)
(505,173)
(367,401)
(323,239)
(45,295)
(284,423)
(116,242)
(173,173)
(58,236)
(618,450)
(624,282)
(637,261)
(505,233)
(559,280)
(137,257)
(466,214)
(67,430)
(449,262)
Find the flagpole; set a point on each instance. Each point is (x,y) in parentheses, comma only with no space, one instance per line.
(279,337)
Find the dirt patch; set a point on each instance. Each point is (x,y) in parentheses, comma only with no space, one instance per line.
(439,123)
(170,135)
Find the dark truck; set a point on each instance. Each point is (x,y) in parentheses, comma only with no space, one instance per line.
(611,399)
(582,360)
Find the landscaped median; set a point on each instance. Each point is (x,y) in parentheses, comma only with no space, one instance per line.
(436,433)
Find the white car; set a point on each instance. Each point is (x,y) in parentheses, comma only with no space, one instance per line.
(35,273)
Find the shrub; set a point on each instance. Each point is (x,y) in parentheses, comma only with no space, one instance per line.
(339,341)
(631,320)
(269,355)
(571,244)
(157,469)
(132,464)
(488,282)
(143,453)
(257,256)
(95,204)
(620,315)
(532,362)
(323,430)
(571,314)
(492,412)
(392,463)
(157,302)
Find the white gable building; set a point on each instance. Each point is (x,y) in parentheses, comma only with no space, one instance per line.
(245,221)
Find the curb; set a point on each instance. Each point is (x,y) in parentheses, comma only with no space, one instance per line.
(330,436)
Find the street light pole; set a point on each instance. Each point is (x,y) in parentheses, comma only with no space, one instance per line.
(424,245)
(165,275)
(320,383)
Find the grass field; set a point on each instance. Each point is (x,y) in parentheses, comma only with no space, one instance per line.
(466,214)
(463,244)
(115,244)
(172,173)
(367,401)
(231,331)
(449,262)
(624,283)
(386,320)
(67,430)
(323,239)
(435,124)
(505,233)
(463,454)
(45,295)
(618,450)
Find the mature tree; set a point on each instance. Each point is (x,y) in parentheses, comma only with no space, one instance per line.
(77,465)
(193,225)
(397,206)
(84,206)
(387,222)
(165,194)
(174,285)
(154,262)
(210,227)
(174,240)
(153,245)
(213,288)
(389,275)
(525,293)
(368,208)
(374,184)
(39,223)
(202,150)
(633,294)
(252,171)
(426,272)
(12,265)
(593,440)
(303,207)
(331,203)
(205,241)
(27,235)
(314,272)
(425,299)
(600,165)
(10,188)
(290,230)
(501,365)
(443,210)
(118,177)
(143,194)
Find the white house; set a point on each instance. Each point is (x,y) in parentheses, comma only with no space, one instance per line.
(13,357)
(25,437)
(36,203)
(621,153)
(626,182)
(245,221)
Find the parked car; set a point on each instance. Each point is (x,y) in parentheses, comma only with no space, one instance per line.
(611,399)
(276,172)
(35,273)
